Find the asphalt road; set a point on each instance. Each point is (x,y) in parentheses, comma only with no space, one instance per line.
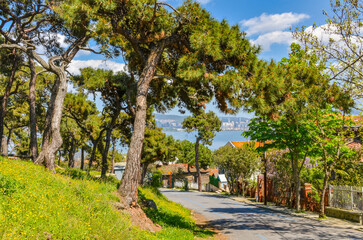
(243,221)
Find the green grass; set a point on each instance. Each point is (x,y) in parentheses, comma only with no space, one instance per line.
(176,220)
(34,204)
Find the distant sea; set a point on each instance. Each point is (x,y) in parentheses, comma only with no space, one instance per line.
(221,138)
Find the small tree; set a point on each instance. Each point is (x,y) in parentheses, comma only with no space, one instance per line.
(329,133)
(205,126)
(238,164)
(186,154)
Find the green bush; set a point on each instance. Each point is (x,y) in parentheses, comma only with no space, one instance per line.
(185,185)
(156,179)
(9,185)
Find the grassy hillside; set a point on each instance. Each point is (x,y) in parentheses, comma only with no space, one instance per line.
(36,204)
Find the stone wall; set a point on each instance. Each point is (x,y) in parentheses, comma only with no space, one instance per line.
(344,214)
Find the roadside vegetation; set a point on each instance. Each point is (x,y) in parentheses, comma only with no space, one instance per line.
(36,204)
(174,57)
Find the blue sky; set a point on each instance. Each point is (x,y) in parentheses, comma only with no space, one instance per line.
(267,23)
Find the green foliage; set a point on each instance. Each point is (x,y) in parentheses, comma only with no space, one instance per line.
(205,124)
(9,185)
(186,154)
(156,179)
(176,220)
(157,146)
(348,171)
(186,185)
(238,163)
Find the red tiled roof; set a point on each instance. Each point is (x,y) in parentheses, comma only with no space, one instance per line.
(212,171)
(255,144)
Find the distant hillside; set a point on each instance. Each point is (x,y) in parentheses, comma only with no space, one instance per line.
(178,118)
(174,122)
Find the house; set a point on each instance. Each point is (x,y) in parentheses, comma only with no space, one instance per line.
(119,169)
(178,174)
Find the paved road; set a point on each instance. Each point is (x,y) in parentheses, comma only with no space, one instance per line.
(243,221)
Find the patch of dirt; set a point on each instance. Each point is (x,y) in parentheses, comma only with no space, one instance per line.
(203,223)
(137,216)
(139,219)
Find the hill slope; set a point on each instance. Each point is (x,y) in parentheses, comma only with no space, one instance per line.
(36,204)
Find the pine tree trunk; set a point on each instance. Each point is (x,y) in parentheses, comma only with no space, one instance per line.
(130,178)
(143,174)
(33,146)
(52,139)
(71,155)
(93,153)
(4,146)
(59,157)
(197,165)
(105,153)
(113,154)
(3,105)
(108,142)
(82,158)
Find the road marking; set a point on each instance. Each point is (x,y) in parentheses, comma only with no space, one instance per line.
(201,205)
(261,236)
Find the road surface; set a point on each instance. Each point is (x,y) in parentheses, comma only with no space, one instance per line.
(243,221)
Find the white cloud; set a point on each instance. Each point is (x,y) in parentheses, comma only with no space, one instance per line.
(326,32)
(204,1)
(267,23)
(266,40)
(76,65)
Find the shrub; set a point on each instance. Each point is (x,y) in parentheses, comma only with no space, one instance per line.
(156,179)
(9,185)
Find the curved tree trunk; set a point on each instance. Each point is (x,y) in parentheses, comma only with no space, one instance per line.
(131,176)
(3,105)
(33,146)
(52,139)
